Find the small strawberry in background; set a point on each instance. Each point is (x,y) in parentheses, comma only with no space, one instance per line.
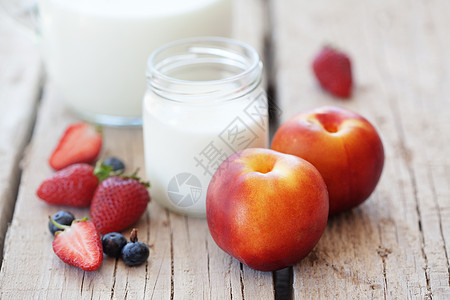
(333,71)
(119,202)
(80,143)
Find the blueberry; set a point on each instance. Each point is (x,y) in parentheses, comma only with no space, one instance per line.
(113,243)
(135,253)
(115,163)
(62,217)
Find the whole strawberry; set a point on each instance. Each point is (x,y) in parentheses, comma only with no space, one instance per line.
(333,70)
(81,143)
(79,245)
(118,203)
(72,186)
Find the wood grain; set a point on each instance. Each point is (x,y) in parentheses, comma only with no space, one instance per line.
(184,261)
(396,244)
(20,76)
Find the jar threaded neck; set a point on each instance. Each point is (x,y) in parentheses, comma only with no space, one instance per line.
(204,69)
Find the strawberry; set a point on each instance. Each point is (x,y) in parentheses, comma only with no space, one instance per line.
(73,186)
(118,203)
(333,70)
(81,143)
(79,245)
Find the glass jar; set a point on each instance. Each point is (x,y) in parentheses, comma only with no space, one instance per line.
(204,102)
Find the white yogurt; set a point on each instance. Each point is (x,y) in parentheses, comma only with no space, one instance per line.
(206,104)
(96,50)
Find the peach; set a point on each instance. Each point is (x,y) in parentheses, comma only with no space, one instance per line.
(267,209)
(342,145)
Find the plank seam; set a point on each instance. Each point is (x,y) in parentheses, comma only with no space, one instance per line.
(426,268)
(208,266)
(114,278)
(147,219)
(283,287)
(18,169)
(82,283)
(283,283)
(438,210)
(230,285)
(172,270)
(405,154)
(269,69)
(383,253)
(241,279)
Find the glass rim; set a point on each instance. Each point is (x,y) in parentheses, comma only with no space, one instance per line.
(204,41)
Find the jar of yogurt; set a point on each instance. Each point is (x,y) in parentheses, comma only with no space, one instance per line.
(203,103)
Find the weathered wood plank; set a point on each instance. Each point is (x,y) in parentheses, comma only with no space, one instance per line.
(430,114)
(30,267)
(184,261)
(20,77)
(396,244)
(417,98)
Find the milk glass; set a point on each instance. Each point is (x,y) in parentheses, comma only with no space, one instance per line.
(203,103)
(95,51)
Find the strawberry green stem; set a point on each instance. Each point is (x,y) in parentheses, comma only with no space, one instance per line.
(135,177)
(80,220)
(59,226)
(64,227)
(102,171)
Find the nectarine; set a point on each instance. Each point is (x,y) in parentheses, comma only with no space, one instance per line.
(266,208)
(342,145)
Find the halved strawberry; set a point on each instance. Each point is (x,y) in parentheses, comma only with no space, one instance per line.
(73,186)
(81,143)
(79,245)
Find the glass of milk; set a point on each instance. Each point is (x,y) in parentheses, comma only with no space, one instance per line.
(95,51)
(204,102)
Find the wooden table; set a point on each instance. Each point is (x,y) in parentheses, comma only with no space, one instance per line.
(395,246)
